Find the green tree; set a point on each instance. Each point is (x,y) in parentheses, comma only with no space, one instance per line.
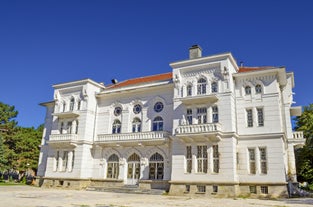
(304,156)
(7,127)
(3,161)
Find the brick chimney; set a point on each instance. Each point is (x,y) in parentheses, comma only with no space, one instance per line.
(195,52)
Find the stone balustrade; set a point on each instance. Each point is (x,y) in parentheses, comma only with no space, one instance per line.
(154,135)
(298,135)
(63,137)
(198,128)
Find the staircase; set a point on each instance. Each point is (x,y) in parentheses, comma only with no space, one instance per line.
(131,189)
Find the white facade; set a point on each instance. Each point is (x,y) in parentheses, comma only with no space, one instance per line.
(208,127)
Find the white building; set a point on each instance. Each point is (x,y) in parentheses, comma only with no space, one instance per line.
(209,126)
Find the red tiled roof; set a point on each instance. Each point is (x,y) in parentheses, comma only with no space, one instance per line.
(146,79)
(251,69)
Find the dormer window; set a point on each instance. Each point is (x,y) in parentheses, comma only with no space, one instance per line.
(248,90)
(258,88)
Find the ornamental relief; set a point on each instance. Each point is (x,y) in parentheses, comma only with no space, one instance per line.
(265,80)
(200,72)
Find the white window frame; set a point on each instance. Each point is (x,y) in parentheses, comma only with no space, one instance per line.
(202,159)
(252,161)
(188,159)
(202,115)
(260,115)
(263,160)
(249,115)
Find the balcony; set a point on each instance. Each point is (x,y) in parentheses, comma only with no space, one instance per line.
(133,139)
(199,132)
(198,99)
(297,139)
(63,139)
(67,114)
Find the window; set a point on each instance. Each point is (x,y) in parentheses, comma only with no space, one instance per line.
(116,128)
(202,159)
(252,161)
(214,114)
(76,129)
(64,106)
(258,88)
(189,116)
(189,90)
(248,90)
(252,189)
(158,106)
(72,102)
(249,118)
(61,128)
(69,127)
(188,159)
(201,86)
(202,115)
(57,157)
(260,117)
(156,167)
(73,159)
(216,159)
(264,189)
(113,167)
(79,102)
(187,188)
(157,124)
(64,160)
(214,87)
(215,188)
(117,111)
(137,109)
(201,188)
(136,125)
(263,160)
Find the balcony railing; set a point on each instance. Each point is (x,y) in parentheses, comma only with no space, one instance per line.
(198,128)
(155,135)
(63,137)
(298,135)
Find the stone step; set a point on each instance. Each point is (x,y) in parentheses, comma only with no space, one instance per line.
(126,189)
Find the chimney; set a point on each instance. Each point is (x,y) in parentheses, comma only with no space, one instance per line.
(114,81)
(195,52)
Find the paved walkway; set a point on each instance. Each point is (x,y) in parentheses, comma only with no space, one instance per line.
(27,196)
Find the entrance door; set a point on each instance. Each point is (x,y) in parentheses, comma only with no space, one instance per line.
(133,173)
(133,169)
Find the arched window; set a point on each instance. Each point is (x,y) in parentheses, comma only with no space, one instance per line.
(113,167)
(189,90)
(116,128)
(72,102)
(156,167)
(201,86)
(133,171)
(214,87)
(248,90)
(136,125)
(258,88)
(157,124)
(133,158)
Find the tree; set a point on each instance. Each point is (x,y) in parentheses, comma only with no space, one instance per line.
(7,126)
(3,160)
(304,156)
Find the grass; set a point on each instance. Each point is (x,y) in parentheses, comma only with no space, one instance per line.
(2,183)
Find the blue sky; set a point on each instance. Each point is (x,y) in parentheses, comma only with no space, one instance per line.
(46,42)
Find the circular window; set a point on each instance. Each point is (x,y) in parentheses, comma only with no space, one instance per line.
(117,111)
(158,106)
(137,109)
